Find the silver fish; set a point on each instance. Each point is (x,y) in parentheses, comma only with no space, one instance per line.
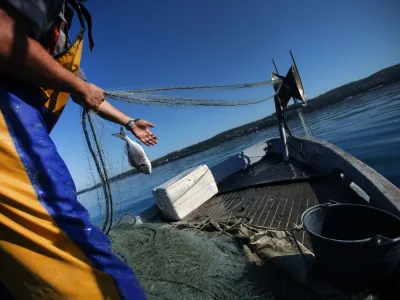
(136,156)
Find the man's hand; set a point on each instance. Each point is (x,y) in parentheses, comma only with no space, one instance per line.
(92,96)
(140,129)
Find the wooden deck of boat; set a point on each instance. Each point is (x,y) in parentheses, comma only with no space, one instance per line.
(276,206)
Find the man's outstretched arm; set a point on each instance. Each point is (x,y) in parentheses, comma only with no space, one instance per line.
(24,59)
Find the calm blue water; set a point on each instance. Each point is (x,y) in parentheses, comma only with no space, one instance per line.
(367,126)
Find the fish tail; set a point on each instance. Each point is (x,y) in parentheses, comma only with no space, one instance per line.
(122,131)
(121,134)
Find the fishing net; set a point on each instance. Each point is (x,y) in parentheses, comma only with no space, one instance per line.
(94,146)
(205,87)
(103,174)
(219,259)
(178,101)
(176,264)
(147,96)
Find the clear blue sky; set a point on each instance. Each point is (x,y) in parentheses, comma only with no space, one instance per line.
(147,43)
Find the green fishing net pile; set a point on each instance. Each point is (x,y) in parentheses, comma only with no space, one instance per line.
(176,264)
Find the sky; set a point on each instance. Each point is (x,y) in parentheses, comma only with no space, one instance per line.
(147,43)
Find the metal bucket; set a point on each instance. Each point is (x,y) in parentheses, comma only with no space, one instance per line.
(356,246)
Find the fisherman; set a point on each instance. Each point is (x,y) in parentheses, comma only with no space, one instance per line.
(48,246)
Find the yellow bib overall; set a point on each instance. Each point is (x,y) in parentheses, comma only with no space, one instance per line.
(48,247)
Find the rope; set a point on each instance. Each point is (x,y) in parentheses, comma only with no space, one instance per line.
(143,96)
(177,101)
(202,87)
(100,153)
(297,228)
(101,170)
(94,182)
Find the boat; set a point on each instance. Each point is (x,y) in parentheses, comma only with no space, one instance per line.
(273,184)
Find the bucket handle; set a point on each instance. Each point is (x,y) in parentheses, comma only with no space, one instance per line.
(379,240)
(298,228)
(330,201)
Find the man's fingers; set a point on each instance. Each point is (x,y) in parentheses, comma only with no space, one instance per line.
(150,135)
(148,140)
(151,140)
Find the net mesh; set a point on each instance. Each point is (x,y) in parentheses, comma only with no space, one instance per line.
(149,99)
(176,264)
(205,87)
(147,96)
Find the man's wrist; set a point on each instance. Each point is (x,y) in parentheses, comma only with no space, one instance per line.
(131,121)
(81,88)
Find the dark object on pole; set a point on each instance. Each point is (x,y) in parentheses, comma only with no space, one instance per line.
(289,86)
(356,246)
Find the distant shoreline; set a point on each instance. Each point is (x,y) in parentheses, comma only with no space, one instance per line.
(345,92)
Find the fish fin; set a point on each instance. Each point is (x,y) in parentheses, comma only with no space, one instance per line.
(118,135)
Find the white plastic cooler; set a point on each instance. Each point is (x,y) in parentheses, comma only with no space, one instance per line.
(184,193)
